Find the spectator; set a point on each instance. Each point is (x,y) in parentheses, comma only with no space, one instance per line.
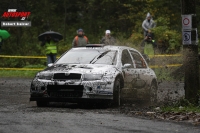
(50,48)
(1,42)
(108,39)
(148,47)
(147,24)
(80,40)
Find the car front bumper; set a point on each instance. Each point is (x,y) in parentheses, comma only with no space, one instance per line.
(71,100)
(59,91)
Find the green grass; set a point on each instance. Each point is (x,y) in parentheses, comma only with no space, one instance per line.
(17,73)
(169,74)
(34,66)
(182,106)
(26,73)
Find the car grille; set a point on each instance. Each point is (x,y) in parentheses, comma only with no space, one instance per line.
(65,90)
(63,76)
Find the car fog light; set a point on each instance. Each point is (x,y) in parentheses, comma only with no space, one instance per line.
(88,89)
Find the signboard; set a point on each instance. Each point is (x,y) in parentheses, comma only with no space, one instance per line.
(187,21)
(187,37)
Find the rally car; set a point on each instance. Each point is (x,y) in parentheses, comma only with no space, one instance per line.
(94,73)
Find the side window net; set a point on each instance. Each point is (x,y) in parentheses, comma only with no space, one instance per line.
(139,61)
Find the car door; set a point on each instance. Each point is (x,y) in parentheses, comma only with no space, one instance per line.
(129,72)
(141,70)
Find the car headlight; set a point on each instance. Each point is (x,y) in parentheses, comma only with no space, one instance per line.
(88,77)
(47,76)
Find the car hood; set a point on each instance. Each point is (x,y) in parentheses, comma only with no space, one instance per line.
(80,68)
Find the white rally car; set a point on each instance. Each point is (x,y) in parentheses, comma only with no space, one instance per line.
(94,73)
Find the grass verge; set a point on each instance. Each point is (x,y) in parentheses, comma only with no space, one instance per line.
(182,106)
(17,73)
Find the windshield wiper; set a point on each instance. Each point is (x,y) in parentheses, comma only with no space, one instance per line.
(99,56)
(93,58)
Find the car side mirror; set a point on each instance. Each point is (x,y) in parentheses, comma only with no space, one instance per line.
(51,64)
(126,66)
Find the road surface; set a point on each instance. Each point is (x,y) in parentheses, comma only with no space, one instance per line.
(18,115)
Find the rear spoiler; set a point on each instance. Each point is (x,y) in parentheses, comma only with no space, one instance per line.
(95,45)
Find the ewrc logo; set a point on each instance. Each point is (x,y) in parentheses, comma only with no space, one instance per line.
(12,13)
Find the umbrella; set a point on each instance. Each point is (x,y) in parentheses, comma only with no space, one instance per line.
(53,34)
(4,34)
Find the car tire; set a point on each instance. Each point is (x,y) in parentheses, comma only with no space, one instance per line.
(116,92)
(153,93)
(41,103)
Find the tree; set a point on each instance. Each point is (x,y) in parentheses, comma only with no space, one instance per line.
(190,51)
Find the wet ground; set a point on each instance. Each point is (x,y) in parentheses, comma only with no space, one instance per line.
(17,114)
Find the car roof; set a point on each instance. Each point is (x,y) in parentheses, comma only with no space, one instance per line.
(102,46)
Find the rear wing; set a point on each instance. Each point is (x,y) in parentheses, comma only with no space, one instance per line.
(95,45)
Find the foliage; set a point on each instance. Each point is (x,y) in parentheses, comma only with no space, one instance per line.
(122,17)
(167,37)
(136,38)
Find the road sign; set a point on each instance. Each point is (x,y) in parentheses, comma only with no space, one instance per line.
(187,21)
(187,37)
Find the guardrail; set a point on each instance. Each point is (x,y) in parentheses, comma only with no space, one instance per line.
(43,57)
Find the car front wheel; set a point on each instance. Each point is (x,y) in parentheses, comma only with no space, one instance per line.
(153,93)
(116,92)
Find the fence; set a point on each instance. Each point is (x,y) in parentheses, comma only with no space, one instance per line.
(43,57)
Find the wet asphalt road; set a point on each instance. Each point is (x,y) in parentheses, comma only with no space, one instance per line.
(18,115)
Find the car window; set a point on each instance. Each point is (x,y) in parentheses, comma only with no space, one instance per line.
(126,58)
(138,59)
(87,56)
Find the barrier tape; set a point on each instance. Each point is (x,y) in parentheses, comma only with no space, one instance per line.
(166,66)
(9,56)
(165,55)
(43,57)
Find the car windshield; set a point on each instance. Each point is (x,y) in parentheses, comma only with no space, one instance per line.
(89,56)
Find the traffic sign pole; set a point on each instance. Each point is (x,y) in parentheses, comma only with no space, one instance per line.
(190,50)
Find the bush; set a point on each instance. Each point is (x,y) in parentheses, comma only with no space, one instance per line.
(136,38)
(165,37)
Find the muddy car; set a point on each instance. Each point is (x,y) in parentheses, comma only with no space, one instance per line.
(94,73)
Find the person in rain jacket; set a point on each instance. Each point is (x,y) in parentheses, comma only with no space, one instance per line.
(108,39)
(148,45)
(80,40)
(147,24)
(1,42)
(50,48)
